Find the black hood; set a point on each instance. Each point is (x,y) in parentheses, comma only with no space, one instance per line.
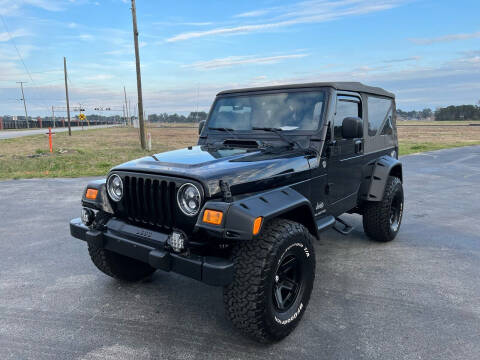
(245,170)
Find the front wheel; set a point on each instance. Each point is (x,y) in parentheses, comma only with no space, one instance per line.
(118,266)
(382,219)
(273,280)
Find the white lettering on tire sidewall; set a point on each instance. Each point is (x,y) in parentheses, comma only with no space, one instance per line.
(291,318)
(300,245)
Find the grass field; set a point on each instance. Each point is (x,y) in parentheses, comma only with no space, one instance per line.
(94,152)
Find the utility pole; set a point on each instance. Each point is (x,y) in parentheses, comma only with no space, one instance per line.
(126,105)
(139,78)
(66,94)
(129,109)
(53,117)
(124,116)
(24,104)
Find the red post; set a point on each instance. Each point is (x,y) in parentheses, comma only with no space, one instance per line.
(39,122)
(1,123)
(50,139)
(63,122)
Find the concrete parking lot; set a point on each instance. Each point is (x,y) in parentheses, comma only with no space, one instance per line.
(415,298)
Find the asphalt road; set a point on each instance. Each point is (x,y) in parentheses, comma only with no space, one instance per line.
(415,298)
(10,134)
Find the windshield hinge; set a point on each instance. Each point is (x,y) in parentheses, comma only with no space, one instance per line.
(227,194)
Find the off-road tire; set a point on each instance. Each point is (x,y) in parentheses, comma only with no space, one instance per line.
(249,299)
(376,215)
(118,266)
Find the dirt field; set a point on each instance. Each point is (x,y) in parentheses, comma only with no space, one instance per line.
(426,136)
(94,152)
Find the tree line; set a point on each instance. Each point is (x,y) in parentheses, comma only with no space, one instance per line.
(176,118)
(422,114)
(449,113)
(461,112)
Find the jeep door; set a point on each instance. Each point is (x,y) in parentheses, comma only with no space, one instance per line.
(345,157)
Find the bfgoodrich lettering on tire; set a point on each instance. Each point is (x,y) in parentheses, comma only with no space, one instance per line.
(273,280)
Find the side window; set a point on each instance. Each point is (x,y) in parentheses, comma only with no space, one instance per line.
(388,127)
(347,106)
(379,110)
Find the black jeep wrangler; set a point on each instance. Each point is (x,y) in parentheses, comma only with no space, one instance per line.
(273,168)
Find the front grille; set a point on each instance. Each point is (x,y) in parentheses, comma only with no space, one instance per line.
(149,201)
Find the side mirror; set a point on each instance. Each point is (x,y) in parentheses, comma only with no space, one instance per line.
(201,124)
(352,128)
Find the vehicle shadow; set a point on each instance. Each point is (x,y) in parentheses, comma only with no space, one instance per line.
(188,316)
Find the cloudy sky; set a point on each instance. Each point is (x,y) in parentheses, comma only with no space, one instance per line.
(425,51)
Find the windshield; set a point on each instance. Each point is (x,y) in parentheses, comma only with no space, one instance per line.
(285,111)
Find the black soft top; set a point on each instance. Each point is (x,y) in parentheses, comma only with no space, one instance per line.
(346,86)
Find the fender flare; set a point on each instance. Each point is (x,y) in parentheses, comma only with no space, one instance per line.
(376,177)
(240,215)
(101,202)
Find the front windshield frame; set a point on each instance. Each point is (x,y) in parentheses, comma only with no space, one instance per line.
(324,111)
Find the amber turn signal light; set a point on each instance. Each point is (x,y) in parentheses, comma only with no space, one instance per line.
(257,224)
(91,194)
(212,217)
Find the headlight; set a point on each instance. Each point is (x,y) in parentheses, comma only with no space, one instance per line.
(189,199)
(115,187)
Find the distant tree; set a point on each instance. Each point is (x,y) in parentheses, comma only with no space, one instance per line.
(461,112)
(426,113)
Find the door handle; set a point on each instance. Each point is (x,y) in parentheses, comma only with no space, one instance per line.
(358,146)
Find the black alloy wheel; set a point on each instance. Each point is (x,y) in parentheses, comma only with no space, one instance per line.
(396,210)
(288,283)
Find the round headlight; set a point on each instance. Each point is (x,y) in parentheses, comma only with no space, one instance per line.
(115,187)
(189,199)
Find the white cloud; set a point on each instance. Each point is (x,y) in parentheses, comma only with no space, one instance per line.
(313,11)
(446,38)
(4,36)
(253,13)
(241,60)
(98,77)
(180,23)
(402,60)
(86,37)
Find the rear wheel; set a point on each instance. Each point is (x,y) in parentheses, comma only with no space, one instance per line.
(382,219)
(273,280)
(118,266)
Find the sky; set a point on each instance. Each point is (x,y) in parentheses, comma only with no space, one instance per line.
(427,52)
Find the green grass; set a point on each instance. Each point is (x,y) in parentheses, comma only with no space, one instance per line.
(85,153)
(406,148)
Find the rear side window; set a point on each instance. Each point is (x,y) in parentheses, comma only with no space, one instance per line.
(380,110)
(346,107)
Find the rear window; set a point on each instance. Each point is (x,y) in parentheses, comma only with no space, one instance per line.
(380,112)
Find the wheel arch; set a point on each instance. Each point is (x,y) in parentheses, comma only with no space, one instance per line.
(302,215)
(376,175)
(240,215)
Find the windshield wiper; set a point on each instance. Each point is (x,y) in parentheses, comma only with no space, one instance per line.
(227,130)
(278,131)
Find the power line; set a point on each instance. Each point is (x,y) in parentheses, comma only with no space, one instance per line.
(16,48)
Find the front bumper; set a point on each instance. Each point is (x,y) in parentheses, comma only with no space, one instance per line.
(149,246)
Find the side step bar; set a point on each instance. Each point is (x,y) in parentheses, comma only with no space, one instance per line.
(328,222)
(325,223)
(347,229)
